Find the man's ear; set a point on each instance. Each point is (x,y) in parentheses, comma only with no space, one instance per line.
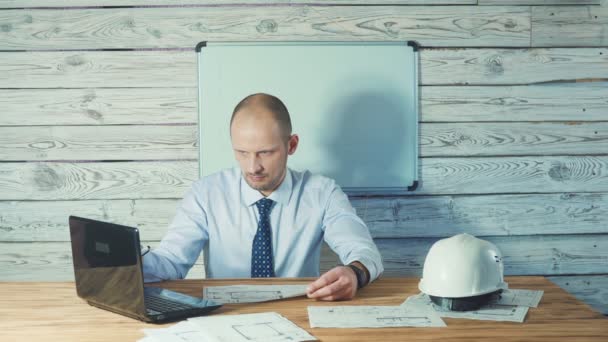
(292,144)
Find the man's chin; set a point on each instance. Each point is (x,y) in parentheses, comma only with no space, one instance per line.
(259,186)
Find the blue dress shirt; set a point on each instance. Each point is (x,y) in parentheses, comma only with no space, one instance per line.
(218,214)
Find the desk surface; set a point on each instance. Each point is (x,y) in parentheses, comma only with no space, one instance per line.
(53,312)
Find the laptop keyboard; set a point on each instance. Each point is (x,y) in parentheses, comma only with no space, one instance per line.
(155,304)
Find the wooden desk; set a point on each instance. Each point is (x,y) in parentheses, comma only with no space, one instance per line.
(53,312)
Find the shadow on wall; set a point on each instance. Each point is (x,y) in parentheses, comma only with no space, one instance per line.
(365,140)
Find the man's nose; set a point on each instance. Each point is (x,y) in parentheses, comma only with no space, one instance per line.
(254,165)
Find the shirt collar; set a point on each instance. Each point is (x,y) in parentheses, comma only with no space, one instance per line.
(280,195)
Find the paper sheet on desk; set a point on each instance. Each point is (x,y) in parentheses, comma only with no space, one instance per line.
(489,312)
(358,316)
(258,327)
(252,293)
(529,298)
(180,332)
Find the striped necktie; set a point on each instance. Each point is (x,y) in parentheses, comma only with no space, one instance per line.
(262,265)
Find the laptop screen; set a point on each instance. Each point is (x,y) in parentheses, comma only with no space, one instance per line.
(107,264)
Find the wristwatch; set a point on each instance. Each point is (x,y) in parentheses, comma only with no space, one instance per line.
(361,277)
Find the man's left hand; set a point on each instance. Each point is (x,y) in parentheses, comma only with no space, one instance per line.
(339,283)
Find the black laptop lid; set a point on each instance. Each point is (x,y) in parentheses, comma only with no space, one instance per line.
(107,264)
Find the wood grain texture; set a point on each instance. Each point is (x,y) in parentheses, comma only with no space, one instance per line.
(538,2)
(487,215)
(499,139)
(52,261)
(590,289)
(559,317)
(523,255)
(125,3)
(170,179)
(162,69)
(178,27)
(512,66)
(147,142)
(570,26)
(68,69)
(50,223)
(386,217)
(584,101)
(168,142)
(119,180)
(98,106)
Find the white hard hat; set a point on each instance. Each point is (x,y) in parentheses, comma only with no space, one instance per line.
(462,266)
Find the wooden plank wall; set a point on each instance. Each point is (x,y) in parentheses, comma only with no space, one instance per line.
(98,118)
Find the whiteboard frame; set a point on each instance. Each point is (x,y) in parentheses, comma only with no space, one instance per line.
(350,190)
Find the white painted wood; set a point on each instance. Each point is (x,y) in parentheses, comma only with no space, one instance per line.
(52,261)
(538,2)
(512,66)
(169,142)
(69,69)
(97,106)
(170,179)
(120,180)
(95,3)
(386,217)
(583,101)
(48,220)
(499,139)
(99,142)
(65,69)
(523,255)
(570,26)
(180,27)
(484,215)
(591,289)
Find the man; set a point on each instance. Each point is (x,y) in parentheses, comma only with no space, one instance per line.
(264,219)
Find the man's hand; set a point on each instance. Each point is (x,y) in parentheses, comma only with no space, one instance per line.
(339,283)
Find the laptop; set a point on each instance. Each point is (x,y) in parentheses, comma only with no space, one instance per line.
(108,273)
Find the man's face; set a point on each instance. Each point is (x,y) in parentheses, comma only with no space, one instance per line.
(261,149)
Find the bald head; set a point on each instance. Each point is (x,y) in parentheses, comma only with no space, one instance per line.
(261,106)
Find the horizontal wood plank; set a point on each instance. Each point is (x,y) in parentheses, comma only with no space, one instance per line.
(512,66)
(124,3)
(523,255)
(149,69)
(484,215)
(386,217)
(167,142)
(98,106)
(148,142)
(52,261)
(592,290)
(68,69)
(117,180)
(499,139)
(170,179)
(583,101)
(538,2)
(570,26)
(179,27)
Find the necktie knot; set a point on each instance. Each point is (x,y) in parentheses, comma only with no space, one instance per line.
(264,205)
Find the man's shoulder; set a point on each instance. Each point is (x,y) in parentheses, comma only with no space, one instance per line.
(310,180)
(218,180)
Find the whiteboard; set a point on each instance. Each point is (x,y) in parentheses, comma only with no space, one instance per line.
(354,106)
